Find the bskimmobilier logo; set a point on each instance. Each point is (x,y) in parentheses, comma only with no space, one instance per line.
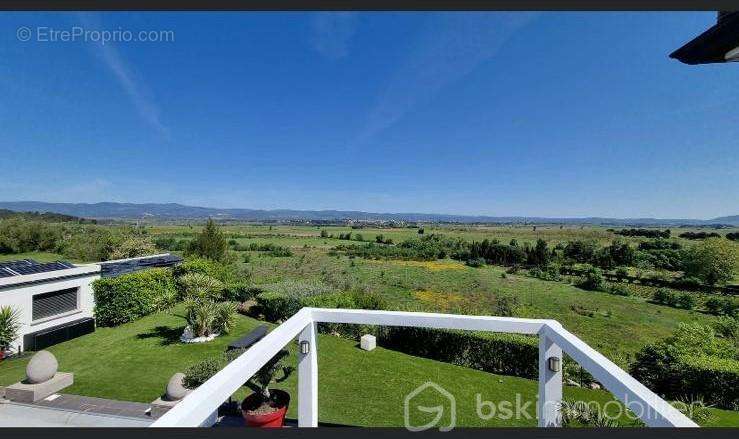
(433,391)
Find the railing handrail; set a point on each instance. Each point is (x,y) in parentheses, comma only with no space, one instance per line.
(195,408)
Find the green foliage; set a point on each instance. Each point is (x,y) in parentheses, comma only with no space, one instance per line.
(224,272)
(580,413)
(9,326)
(259,383)
(727,327)
(206,317)
(592,279)
(209,244)
(722,306)
(713,261)
(495,253)
(240,292)
(132,246)
(686,301)
(281,300)
(200,286)
(664,296)
(619,290)
(131,296)
(508,354)
(202,371)
(475,262)
(270,249)
(693,361)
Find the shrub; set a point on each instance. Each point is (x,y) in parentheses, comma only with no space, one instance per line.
(476,262)
(200,372)
(622,273)
(206,317)
(713,261)
(619,290)
(691,362)
(664,296)
(200,286)
(9,326)
(509,354)
(209,244)
(727,327)
(240,292)
(685,301)
(224,272)
(722,306)
(592,279)
(131,296)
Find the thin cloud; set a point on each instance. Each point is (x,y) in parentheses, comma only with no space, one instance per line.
(444,53)
(134,88)
(333,32)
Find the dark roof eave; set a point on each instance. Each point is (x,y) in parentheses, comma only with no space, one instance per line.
(711,46)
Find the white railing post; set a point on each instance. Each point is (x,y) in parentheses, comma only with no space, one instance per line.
(550,382)
(308,377)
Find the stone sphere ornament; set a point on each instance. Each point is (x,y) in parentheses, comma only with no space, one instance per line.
(176,388)
(42,367)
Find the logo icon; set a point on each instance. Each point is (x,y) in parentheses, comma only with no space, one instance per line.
(426,391)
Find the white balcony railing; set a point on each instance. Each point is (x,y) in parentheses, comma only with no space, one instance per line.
(195,409)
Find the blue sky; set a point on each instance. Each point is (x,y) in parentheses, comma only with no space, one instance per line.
(548,114)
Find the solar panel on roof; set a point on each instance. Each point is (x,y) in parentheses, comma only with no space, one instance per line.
(5,273)
(40,268)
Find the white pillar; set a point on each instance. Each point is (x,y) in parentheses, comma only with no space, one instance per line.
(550,383)
(308,378)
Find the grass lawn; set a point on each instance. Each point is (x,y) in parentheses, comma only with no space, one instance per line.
(37,256)
(134,362)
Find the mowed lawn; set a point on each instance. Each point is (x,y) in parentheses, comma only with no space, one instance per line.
(135,361)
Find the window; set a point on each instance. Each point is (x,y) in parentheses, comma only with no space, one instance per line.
(54,303)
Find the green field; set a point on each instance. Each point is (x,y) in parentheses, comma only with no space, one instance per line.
(134,362)
(619,326)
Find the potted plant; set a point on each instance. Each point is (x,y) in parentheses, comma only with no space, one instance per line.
(267,407)
(9,326)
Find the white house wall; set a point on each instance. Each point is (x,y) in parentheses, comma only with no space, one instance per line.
(21,298)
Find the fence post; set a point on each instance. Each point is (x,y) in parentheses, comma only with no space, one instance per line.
(308,377)
(550,381)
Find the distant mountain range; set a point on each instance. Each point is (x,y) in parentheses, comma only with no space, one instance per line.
(173,211)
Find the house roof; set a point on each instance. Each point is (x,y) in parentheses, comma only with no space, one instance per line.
(712,45)
(124,266)
(29,266)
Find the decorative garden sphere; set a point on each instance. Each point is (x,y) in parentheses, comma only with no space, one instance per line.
(42,367)
(176,388)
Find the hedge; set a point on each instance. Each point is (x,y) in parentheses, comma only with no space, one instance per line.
(715,379)
(507,354)
(126,298)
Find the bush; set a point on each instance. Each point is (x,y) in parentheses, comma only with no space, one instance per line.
(685,301)
(664,296)
(476,262)
(724,306)
(592,279)
(200,372)
(210,243)
(200,286)
(509,354)
(691,362)
(9,326)
(727,327)
(619,290)
(224,272)
(126,298)
(240,292)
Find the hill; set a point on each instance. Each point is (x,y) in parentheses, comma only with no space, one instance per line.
(174,211)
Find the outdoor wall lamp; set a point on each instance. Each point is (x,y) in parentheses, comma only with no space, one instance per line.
(555,364)
(305,347)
